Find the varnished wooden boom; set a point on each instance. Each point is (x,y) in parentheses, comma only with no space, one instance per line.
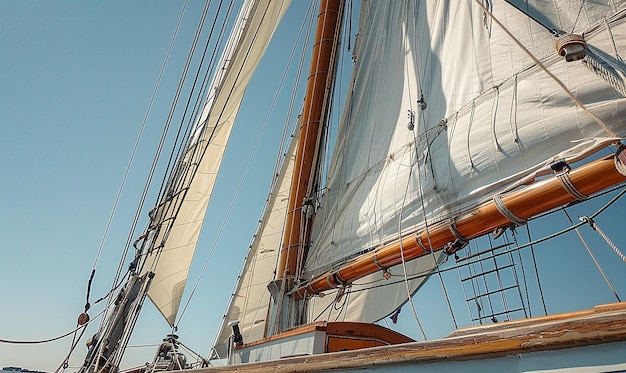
(525,203)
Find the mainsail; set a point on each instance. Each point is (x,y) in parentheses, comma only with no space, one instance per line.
(445,112)
(491,119)
(255,26)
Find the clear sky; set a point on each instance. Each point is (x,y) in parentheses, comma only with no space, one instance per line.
(76,80)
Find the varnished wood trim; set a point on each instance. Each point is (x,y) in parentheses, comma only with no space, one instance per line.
(347,329)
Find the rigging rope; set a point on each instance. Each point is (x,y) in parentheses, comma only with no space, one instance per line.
(203,88)
(606,238)
(130,162)
(587,220)
(249,166)
(563,231)
(524,281)
(13,341)
(534,259)
(406,191)
(75,341)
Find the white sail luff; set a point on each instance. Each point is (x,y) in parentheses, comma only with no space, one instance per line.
(252,32)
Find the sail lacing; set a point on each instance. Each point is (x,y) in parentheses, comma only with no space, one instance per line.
(501,206)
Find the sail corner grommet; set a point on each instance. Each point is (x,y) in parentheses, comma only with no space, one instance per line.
(571,46)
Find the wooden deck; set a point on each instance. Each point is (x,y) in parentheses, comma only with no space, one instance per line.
(603,324)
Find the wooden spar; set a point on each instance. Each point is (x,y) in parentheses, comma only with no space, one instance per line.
(535,199)
(293,242)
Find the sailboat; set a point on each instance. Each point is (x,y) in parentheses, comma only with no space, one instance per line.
(463,121)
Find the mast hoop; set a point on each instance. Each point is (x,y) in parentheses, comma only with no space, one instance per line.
(497,199)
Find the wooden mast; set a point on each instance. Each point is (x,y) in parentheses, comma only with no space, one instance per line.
(295,239)
(535,199)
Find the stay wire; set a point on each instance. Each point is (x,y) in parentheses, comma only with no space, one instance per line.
(593,257)
(132,158)
(166,127)
(534,259)
(198,105)
(174,170)
(173,156)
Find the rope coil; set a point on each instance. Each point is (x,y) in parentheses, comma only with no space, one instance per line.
(569,40)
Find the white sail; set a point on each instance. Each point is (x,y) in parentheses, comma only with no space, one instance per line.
(250,299)
(253,30)
(494,119)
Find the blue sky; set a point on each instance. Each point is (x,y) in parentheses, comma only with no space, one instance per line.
(76,79)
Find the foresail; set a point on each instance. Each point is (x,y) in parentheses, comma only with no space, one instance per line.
(252,32)
(250,299)
(447,111)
